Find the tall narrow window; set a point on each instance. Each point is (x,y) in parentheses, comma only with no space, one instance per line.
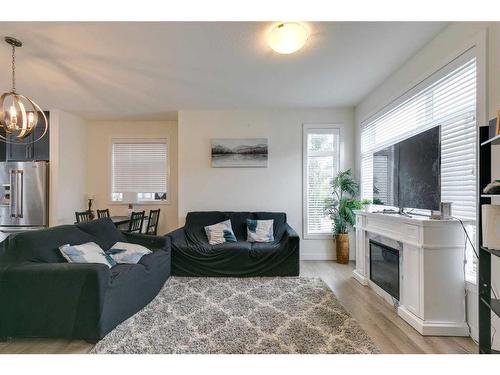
(139,170)
(321,164)
(448,99)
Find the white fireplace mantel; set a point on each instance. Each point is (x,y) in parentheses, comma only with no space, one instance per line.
(432,282)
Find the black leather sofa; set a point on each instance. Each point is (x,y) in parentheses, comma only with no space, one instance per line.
(42,295)
(193,256)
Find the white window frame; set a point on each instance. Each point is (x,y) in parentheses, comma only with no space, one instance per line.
(110,179)
(476,46)
(306,129)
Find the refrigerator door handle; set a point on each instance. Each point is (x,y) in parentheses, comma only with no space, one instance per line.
(13,192)
(20,191)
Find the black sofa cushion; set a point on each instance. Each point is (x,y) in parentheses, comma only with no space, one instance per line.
(193,256)
(197,221)
(239,246)
(104,231)
(43,245)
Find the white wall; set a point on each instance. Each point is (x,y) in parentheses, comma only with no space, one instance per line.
(100,135)
(276,188)
(68,167)
(448,44)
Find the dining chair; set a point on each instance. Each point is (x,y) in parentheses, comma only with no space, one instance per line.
(84,216)
(135,223)
(103,213)
(154,217)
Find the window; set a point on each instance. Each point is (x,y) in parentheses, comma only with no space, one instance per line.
(139,171)
(321,164)
(448,98)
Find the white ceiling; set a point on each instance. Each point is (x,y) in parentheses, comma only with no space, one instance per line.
(150,70)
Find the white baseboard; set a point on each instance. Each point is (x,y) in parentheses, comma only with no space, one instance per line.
(360,278)
(322,249)
(474,333)
(434,328)
(318,256)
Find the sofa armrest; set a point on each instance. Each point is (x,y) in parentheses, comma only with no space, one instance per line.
(290,234)
(61,299)
(177,236)
(151,242)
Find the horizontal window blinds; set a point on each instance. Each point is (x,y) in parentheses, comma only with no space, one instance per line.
(139,167)
(322,165)
(450,102)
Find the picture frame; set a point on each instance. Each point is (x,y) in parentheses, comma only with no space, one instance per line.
(239,152)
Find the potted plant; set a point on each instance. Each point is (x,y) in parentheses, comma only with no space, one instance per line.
(340,208)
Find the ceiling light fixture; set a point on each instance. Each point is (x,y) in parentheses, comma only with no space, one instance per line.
(287,37)
(15,120)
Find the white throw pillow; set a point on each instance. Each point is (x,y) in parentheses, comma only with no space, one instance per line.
(124,252)
(220,233)
(89,252)
(260,230)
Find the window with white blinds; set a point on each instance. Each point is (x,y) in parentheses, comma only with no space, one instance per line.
(139,170)
(321,164)
(450,102)
(448,99)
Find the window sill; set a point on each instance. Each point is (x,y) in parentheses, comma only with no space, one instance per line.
(148,203)
(317,237)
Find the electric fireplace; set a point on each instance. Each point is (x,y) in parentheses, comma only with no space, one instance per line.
(384,267)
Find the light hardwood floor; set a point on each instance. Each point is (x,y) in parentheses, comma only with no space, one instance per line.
(380,321)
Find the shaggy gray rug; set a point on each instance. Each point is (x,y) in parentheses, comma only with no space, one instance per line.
(233,315)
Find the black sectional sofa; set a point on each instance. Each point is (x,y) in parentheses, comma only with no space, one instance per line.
(193,256)
(41,295)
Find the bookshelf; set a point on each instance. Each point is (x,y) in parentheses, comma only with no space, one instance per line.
(487,304)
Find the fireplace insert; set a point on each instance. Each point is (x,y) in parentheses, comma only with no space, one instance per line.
(384,267)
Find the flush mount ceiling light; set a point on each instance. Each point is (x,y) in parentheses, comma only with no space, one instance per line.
(287,37)
(18,113)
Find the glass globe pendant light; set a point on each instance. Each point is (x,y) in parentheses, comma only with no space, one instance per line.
(18,113)
(287,37)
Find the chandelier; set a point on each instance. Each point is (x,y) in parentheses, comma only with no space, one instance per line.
(18,113)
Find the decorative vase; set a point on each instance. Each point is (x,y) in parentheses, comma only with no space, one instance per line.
(342,248)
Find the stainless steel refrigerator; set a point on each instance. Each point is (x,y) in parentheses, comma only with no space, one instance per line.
(24,198)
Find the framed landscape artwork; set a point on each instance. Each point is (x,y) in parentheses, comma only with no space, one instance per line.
(239,153)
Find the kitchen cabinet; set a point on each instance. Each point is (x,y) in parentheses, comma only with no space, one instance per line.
(38,150)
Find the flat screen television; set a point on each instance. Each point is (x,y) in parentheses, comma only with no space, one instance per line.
(408,174)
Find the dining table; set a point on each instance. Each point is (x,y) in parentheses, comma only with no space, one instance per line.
(121,222)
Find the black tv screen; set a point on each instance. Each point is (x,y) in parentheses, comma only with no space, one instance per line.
(408,174)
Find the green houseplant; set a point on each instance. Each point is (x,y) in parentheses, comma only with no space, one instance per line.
(340,206)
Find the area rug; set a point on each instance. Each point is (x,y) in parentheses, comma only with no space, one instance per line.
(240,315)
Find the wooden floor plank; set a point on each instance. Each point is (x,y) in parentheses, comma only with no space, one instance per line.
(378,318)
